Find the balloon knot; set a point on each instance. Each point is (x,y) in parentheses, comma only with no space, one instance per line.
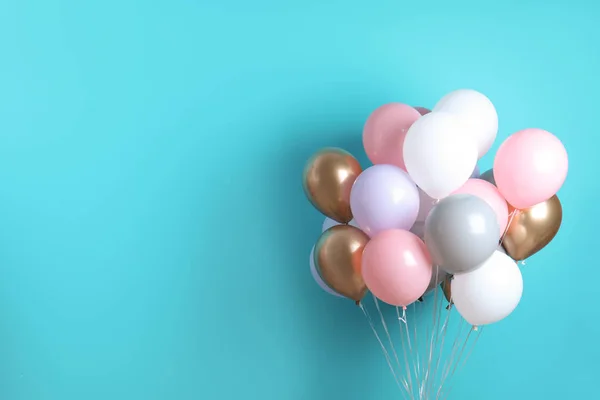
(357,303)
(475,328)
(404,308)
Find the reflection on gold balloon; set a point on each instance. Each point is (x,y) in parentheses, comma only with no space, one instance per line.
(327,180)
(338,258)
(532,229)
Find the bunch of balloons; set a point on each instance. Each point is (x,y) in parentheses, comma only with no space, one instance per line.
(422,214)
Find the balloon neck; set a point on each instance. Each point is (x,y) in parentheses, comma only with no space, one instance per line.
(475,328)
(357,302)
(404,308)
(448,307)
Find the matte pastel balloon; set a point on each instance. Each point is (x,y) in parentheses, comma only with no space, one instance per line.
(423,110)
(396,267)
(317,277)
(384,197)
(438,155)
(328,223)
(476,112)
(530,167)
(488,192)
(490,293)
(384,133)
(461,232)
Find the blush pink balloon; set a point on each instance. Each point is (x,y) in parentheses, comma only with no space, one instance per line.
(530,167)
(384,133)
(396,267)
(423,110)
(490,194)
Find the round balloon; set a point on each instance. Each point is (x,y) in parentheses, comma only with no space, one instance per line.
(490,293)
(396,267)
(461,232)
(383,197)
(317,277)
(478,114)
(530,166)
(327,180)
(438,156)
(488,192)
(337,257)
(384,133)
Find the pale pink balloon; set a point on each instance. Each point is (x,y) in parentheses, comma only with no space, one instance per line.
(530,167)
(384,133)
(423,110)
(490,194)
(396,267)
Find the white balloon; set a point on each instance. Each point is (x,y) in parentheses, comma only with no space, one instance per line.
(478,114)
(489,293)
(439,157)
(328,223)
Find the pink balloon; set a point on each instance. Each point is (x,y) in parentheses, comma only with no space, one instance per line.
(490,194)
(384,133)
(423,110)
(396,267)
(530,167)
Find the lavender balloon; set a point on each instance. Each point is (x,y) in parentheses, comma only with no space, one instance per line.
(317,277)
(384,197)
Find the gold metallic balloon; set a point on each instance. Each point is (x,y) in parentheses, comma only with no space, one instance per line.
(532,229)
(446,289)
(328,178)
(338,258)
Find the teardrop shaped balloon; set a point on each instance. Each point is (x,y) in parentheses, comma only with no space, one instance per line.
(327,180)
(338,258)
(532,229)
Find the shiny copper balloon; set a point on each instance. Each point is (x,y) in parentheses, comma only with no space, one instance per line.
(446,289)
(532,229)
(338,258)
(328,178)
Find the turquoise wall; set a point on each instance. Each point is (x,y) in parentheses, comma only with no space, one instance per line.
(154,236)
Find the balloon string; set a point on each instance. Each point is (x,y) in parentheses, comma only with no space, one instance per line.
(417,358)
(387,332)
(426,380)
(385,352)
(466,358)
(402,319)
(458,366)
(444,331)
(451,361)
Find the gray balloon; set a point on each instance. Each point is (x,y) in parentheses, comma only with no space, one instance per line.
(488,176)
(461,232)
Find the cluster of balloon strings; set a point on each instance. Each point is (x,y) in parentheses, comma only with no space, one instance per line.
(422,219)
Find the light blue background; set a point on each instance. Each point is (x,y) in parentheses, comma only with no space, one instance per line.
(154,236)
